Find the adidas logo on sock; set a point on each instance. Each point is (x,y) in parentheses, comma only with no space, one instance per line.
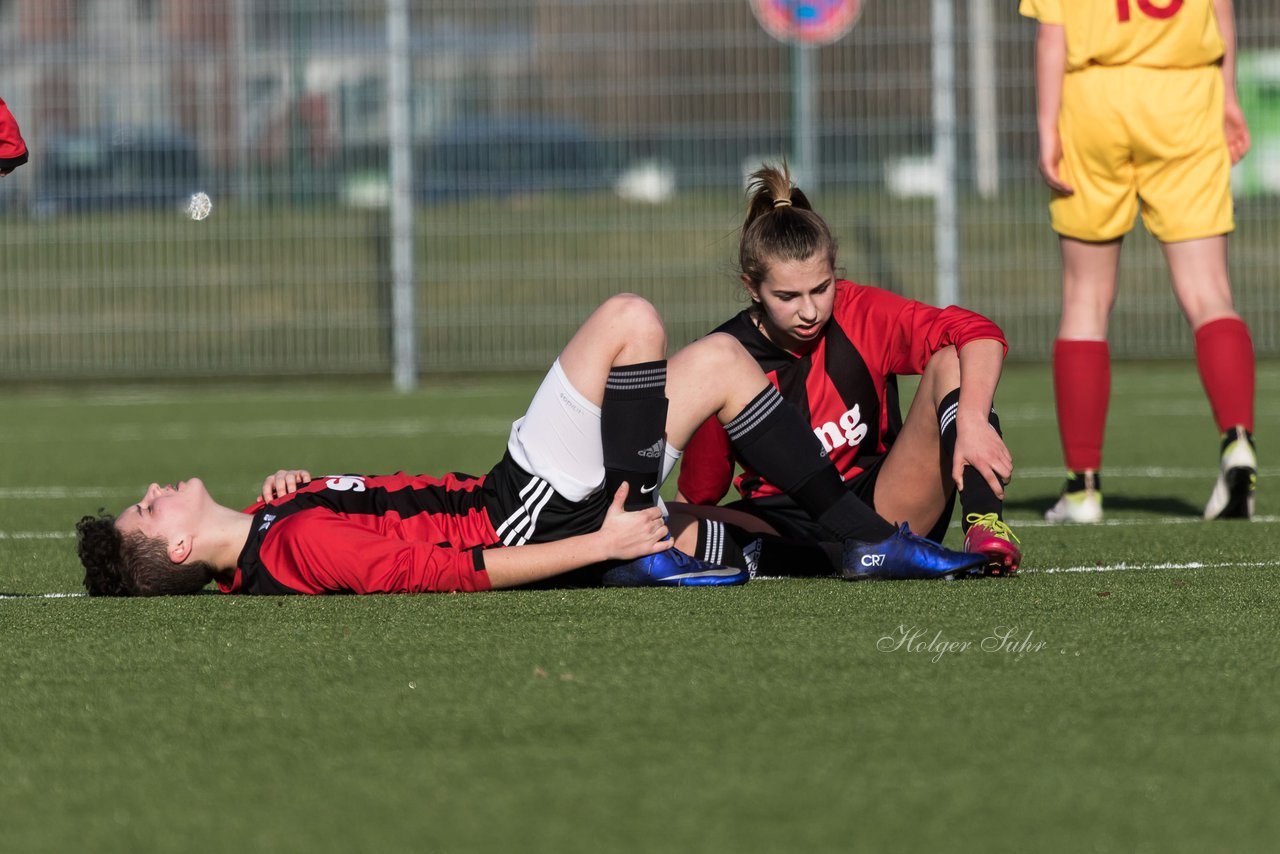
(652,452)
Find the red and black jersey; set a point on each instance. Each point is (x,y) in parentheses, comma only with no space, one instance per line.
(844,383)
(401,533)
(13,151)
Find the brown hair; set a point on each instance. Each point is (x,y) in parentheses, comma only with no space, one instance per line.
(781,225)
(116,564)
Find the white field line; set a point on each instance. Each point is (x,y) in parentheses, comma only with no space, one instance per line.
(241,397)
(37,535)
(1016,523)
(23,493)
(342,430)
(1118,567)
(1125,566)
(1145,472)
(42,595)
(1124,523)
(1115,567)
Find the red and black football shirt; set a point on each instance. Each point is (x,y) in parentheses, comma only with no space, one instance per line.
(369,534)
(844,383)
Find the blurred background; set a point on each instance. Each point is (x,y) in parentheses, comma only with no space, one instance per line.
(411,187)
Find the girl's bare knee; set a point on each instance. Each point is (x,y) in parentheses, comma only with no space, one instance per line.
(637,315)
(722,355)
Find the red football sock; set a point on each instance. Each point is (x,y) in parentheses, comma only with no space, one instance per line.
(1224,353)
(1082,389)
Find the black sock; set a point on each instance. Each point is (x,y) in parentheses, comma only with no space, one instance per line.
(977,495)
(771,437)
(727,545)
(785,557)
(766,554)
(633,424)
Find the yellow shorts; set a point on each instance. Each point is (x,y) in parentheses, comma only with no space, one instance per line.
(1131,133)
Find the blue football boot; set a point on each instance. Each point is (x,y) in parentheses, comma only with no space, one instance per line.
(672,568)
(904,556)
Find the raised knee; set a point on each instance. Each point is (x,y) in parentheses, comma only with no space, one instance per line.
(721,354)
(637,315)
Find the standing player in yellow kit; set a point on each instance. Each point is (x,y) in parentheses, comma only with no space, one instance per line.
(1136,101)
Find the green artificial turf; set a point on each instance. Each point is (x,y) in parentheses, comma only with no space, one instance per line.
(1121,694)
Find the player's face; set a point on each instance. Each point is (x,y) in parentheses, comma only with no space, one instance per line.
(797,298)
(172,513)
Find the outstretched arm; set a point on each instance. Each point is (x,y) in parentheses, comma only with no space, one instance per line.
(331,554)
(623,536)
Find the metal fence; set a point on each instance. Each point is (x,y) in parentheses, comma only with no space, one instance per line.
(555,152)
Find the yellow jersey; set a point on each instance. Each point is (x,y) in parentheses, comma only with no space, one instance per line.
(1149,33)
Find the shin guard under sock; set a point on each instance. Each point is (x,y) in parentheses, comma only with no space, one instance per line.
(633,423)
(1224,354)
(1082,390)
(766,554)
(772,438)
(977,495)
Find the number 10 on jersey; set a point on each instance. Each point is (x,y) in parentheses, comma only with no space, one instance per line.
(1149,8)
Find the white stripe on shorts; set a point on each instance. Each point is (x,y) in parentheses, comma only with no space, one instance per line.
(547,495)
(536,493)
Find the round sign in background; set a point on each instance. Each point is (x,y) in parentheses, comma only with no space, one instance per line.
(807,21)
